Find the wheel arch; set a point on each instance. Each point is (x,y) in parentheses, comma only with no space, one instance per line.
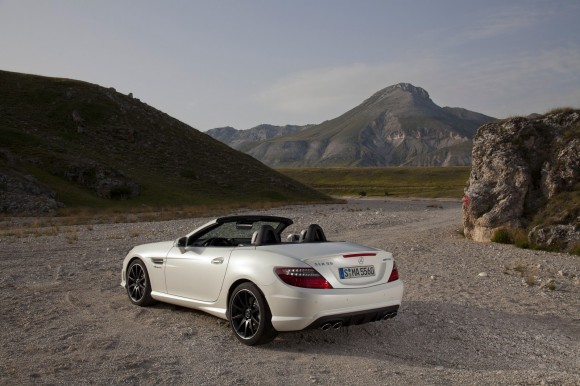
(130,261)
(234,285)
(141,285)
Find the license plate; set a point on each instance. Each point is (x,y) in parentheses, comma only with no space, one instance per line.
(354,272)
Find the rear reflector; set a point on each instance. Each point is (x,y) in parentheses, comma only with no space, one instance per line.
(359,255)
(394,273)
(302,277)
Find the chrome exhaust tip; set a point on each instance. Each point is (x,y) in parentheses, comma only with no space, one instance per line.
(326,326)
(337,325)
(389,315)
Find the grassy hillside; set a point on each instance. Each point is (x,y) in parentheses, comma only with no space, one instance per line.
(385,181)
(95,147)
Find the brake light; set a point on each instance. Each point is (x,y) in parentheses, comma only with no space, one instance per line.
(303,277)
(359,254)
(394,273)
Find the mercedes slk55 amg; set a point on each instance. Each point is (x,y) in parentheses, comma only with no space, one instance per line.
(238,268)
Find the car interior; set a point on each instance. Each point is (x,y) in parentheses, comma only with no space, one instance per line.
(265,234)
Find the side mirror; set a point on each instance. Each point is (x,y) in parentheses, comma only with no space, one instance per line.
(182,242)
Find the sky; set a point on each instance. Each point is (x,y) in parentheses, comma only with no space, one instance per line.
(242,63)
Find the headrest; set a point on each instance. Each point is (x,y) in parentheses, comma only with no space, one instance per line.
(266,235)
(312,234)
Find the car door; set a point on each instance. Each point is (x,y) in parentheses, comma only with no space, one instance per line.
(196,272)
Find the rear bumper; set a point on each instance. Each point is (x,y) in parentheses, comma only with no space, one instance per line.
(295,308)
(354,318)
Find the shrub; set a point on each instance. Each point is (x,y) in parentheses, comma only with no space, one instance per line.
(362,194)
(530,280)
(502,236)
(520,238)
(559,110)
(575,250)
(123,192)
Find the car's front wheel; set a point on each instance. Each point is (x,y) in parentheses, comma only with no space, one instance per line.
(138,284)
(250,316)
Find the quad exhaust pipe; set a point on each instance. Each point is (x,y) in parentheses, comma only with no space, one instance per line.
(334,325)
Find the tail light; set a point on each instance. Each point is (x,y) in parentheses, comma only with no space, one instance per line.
(303,277)
(394,273)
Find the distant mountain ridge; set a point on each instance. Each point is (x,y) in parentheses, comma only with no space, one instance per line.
(241,139)
(398,125)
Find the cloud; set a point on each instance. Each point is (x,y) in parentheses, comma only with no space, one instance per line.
(337,88)
(493,24)
(504,21)
(312,90)
(525,81)
(521,83)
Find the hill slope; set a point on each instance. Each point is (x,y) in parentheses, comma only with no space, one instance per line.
(399,125)
(79,144)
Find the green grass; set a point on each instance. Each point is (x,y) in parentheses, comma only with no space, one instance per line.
(428,182)
(502,236)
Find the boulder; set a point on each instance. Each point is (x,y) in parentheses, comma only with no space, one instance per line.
(554,237)
(24,193)
(519,165)
(103,180)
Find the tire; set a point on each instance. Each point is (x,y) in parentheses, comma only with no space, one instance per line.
(138,284)
(250,316)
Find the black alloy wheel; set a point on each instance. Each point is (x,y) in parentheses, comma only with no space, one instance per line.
(138,284)
(249,315)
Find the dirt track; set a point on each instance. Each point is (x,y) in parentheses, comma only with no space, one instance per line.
(466,317)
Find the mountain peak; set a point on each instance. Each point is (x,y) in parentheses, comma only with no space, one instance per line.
(407,87)
(412,89)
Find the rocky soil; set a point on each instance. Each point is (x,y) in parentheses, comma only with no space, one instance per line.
(473,313)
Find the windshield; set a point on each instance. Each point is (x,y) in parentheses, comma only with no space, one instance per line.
(231,233)
(232,230)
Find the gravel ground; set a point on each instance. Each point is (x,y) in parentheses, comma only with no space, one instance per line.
(472,313)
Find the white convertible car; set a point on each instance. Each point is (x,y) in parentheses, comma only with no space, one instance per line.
(237,268)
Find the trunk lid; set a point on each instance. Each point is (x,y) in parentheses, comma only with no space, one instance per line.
(345,265)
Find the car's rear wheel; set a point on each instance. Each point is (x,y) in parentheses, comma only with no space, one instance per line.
(138,284)
(250,316)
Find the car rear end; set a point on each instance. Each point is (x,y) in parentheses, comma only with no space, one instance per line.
(337,284)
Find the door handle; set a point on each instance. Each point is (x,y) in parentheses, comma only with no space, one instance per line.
(217,260)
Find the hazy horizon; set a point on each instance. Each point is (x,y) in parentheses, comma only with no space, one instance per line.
(241,64)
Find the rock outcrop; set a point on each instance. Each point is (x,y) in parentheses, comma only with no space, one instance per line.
(20,192)
(519,166)
(24,193)
(103,180)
